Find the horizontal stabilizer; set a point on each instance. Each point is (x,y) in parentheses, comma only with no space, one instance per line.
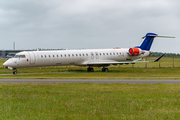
(165,36)
(158,36)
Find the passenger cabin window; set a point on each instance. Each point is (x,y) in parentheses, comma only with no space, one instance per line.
(53,55)
(49,56)
(110,53)
(99,53)
(45,56)
(117,53)
(57,55)
(61,55)
(103,53)
(65,55)
(41,56)
(83,54)
(107,53)
(86,54)
(79,54)
(76,54)
(113,53)
(73,55)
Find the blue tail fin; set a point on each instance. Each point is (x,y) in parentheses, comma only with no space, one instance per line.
(146,44)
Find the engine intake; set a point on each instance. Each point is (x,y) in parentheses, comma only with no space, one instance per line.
(135,51)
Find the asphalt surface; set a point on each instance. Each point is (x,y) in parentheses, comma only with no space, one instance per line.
(88,81)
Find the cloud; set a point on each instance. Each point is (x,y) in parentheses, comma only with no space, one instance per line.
(85,24)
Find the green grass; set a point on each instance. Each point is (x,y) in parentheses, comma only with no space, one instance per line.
(92,101)
(89,101)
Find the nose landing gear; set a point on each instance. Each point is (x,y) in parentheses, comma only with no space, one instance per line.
(15,71)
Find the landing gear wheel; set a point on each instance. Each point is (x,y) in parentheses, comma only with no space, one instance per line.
(15,71)
(90,70)
(105,70)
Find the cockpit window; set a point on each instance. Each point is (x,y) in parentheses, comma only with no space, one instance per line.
(22,56)
(16,56)
(19,56)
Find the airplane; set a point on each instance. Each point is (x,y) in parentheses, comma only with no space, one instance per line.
(90,57)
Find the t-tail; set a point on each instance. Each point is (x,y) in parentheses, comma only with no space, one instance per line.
(148,40)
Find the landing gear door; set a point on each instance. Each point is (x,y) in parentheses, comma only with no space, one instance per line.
(32,58)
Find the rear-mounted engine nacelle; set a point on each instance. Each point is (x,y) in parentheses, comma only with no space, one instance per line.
(135,51)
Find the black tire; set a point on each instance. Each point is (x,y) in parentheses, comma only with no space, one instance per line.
(106,70)
(92,70)
(15,72)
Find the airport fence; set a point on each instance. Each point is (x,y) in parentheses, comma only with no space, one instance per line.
(165,62)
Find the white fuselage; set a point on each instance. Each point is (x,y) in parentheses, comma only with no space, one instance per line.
(91,57)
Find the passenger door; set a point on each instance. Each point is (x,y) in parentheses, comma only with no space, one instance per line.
(32,58)
(97,56)
(92,56)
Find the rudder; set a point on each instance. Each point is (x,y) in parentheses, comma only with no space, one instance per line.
(147,42)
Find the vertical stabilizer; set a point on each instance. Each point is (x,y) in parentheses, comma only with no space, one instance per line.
(147,42)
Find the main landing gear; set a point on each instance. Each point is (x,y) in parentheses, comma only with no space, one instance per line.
(105,69)
(15,71)
(89,69)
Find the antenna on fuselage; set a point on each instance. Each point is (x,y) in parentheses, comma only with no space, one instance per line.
(129,44)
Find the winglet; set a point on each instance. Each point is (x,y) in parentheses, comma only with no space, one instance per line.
(159,58)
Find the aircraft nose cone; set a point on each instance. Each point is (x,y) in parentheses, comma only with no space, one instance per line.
(7,63)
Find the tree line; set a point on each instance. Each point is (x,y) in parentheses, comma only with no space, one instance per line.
(157,54)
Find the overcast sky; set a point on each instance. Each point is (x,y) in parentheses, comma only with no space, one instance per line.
(76,24)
